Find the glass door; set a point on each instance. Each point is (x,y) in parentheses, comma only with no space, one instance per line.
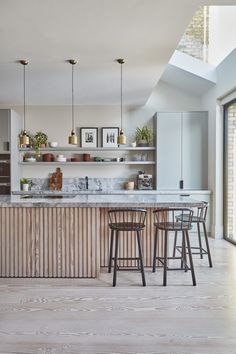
(230,172)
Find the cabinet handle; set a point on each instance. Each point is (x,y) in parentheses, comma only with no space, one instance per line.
(184,195)
(5,161)
(5,184)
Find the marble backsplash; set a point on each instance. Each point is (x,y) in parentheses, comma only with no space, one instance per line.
(76,184)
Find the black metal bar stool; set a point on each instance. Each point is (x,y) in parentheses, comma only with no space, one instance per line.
(129,219)
(198,219)
(165,220)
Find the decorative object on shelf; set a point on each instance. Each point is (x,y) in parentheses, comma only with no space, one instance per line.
(89,137)
(86,157)
(53,144)
(73,140)
(24,137)
(110,136)
(30,159)
(55,181)
(129,185)
(40,140)
(121,140)
(24,183)
(48,157)
(133,144)
(61,158)
(143,136)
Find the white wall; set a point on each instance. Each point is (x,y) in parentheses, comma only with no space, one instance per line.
(223,92)
(222,32)
(56,122)
(166,97)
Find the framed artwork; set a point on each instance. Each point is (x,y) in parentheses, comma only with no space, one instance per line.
(109,136)
(89,137)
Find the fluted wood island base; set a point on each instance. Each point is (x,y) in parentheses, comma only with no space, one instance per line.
(61,242)
(67,239)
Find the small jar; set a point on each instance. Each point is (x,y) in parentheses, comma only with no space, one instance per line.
(86,157)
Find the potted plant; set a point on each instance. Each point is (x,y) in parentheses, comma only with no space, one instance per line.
(40,140)
(143,136)
(25,183)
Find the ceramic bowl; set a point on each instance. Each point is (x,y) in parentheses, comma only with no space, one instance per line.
(53,144)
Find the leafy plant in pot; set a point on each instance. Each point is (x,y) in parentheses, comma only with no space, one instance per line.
(40,140)
(143,136)
(25,183)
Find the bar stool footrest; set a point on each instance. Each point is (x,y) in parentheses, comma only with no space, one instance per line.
(203,251)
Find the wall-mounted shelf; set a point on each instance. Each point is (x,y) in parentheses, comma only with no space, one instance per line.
(90,163)
(79,149)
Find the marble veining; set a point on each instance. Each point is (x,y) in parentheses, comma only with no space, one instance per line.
(105,201)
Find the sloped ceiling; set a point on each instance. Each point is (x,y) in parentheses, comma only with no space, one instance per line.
(96,32)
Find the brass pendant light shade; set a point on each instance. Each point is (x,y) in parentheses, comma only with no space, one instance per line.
(73,139)
(24,138)
(121,139)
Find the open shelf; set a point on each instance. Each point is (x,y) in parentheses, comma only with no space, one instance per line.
(91,163)
(79,149)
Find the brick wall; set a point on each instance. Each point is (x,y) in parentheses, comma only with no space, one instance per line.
(196,38)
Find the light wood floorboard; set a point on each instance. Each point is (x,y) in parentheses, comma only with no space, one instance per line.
(61,316)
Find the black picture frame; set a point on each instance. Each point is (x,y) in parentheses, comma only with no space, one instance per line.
(89,137)
(109,136)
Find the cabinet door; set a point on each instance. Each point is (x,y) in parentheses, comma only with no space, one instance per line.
(4,130)
(195,150)
(168,150)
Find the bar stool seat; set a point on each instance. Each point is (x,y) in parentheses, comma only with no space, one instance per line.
(166,220)
(130,220)
(198,219)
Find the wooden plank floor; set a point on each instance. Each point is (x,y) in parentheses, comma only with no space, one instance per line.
(56,316)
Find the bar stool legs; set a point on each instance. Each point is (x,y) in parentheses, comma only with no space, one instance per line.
(165,259)
(207,246)
(115,258)
(139,259)
(202,251)
(111,250)
(155,251)
(190,258)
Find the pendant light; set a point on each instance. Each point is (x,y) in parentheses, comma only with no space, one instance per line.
(121,139)
(24,138)
(73,140)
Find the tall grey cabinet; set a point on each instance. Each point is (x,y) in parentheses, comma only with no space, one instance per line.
(10,127)
(182,149)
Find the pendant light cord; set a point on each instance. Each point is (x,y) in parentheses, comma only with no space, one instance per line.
(72,98)
(24,93)
(181,146)
(121,95)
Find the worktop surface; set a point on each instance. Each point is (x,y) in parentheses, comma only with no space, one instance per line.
(100,200)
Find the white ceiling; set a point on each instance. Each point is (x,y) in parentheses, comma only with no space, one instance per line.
(96,32)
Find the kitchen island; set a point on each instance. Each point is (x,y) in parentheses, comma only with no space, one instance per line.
(68,236)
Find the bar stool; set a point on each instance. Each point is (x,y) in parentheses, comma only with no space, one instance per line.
(199,218)
(128,219)
(165,220)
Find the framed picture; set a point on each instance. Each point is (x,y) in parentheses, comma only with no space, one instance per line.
(109,136)
(89,137)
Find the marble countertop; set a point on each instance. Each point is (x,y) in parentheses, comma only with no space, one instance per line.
(113,192)
(98,200)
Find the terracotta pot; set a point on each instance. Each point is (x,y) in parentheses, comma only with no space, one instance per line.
(48,157)
(86,157)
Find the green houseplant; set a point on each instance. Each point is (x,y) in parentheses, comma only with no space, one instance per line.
(40,140)
(25,182)
(143,136)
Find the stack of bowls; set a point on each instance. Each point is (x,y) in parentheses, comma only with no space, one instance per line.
(61,158)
